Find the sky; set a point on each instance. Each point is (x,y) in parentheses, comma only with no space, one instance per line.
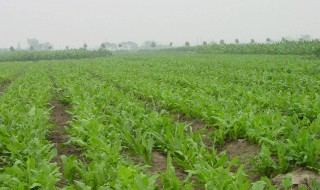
(74,22)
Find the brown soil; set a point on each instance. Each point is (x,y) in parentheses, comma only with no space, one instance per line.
(244,150)
(194,123)
(197,125)
(301,177)
(159,166)
(159,163)
(60,118)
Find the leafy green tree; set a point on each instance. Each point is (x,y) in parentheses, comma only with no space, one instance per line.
(11,48)
(85,46)
(204,43)
(171,44)
(237,41)
(222,42)
(187,44)
(252,41)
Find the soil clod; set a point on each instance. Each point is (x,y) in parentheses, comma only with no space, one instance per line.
(300,178)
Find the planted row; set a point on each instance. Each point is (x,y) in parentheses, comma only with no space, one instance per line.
(106,115)
(25,154)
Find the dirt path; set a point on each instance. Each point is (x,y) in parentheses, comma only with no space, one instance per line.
(59,136)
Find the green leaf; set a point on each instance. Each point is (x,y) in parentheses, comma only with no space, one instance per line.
(259,185)
(287,181)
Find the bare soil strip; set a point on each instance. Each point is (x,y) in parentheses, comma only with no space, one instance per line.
(244,150)
(58,136)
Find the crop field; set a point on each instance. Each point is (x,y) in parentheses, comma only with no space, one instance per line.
(184,121)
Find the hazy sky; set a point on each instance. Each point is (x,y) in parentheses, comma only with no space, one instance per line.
(73,22)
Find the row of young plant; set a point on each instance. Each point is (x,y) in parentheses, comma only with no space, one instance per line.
(7,70)
(25,154)
(279,48)
(51,55)
(109,123)
(273,101)
(104,166)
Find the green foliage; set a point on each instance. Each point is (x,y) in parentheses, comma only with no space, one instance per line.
(305,150)
(264,183)
(263,163)
(51,55)
(69,167)
(24,121)
(278,48)
(123,110)
(169,179)
(287,182)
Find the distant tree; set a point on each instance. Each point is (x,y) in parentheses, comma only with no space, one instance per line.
(236,41)
(46,46)
(67,47)
(171,44)
(283,39)
(252,41)
(120,45)
(153,44)
(149,44)
(204,43)
(187,44)
(306,37)
(19,46)
(110,46)
(11,48)
(103,46)
(129,45)
(268,40)
(222,42)
(85,46)
(34,44)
